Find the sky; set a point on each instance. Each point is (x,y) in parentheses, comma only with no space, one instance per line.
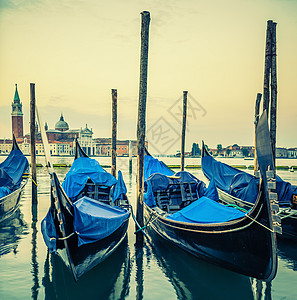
(77,51)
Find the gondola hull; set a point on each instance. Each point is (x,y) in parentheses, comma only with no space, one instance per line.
(288,216)
(242,245)
(81,259)
(10,203)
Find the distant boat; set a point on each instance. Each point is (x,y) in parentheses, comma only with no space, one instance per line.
(13,179)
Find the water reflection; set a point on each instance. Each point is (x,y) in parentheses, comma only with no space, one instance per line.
(139,271)
(261,289)
(34,262)
(11,231)
(287,252)
(109,280)
(191,277)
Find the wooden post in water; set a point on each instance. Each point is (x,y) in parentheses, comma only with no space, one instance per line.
(145,22)
(267,68)
(257,111)
(114,94)
(183,136)
(32,141)
(130,157)
(273,108)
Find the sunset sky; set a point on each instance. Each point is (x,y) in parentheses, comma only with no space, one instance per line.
(77,51)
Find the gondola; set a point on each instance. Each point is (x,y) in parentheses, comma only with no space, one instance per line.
(240,188)
(180,210)
(89,213)
(13,178)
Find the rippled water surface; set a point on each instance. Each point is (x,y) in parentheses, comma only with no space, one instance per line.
(156,271)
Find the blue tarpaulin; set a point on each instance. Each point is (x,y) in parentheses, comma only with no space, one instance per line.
(211,192)
(162,178)
(153,165)
(221,173)
(49,231)
(120,189)
(85,168)
(205,210)
(11,172)
(241,184)
(95,220)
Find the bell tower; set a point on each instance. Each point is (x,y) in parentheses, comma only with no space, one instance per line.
(17,115)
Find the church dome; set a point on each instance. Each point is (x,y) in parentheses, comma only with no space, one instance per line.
(61,124)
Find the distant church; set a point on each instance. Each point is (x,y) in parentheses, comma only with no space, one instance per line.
(17,115)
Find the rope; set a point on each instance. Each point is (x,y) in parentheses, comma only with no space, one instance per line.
(237,207)
(259,223)
(137,224)
(64,238)
(29,176)
(288,215)
(148,222)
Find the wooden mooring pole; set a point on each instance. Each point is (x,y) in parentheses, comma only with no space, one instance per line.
(273,108)
(130,157)
(257,111)
(32,141)
(145,22)
(114,94)
(267,68)
(183,136)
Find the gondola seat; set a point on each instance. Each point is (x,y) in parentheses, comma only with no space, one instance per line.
(97,192)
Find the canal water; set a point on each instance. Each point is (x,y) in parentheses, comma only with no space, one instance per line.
(156,271)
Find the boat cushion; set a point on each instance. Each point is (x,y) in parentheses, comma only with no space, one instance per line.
(205,210)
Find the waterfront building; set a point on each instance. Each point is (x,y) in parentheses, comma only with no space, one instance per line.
(292,153)
(281,153)
(62,139)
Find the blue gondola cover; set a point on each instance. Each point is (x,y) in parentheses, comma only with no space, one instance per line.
(85,168)
(11,172)
(120,189)
(160,177)
(153,165)
(241,184)
(49,232)
(94,220)
(205,210)
(211,192)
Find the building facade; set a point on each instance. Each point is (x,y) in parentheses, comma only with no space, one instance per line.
(62,139)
